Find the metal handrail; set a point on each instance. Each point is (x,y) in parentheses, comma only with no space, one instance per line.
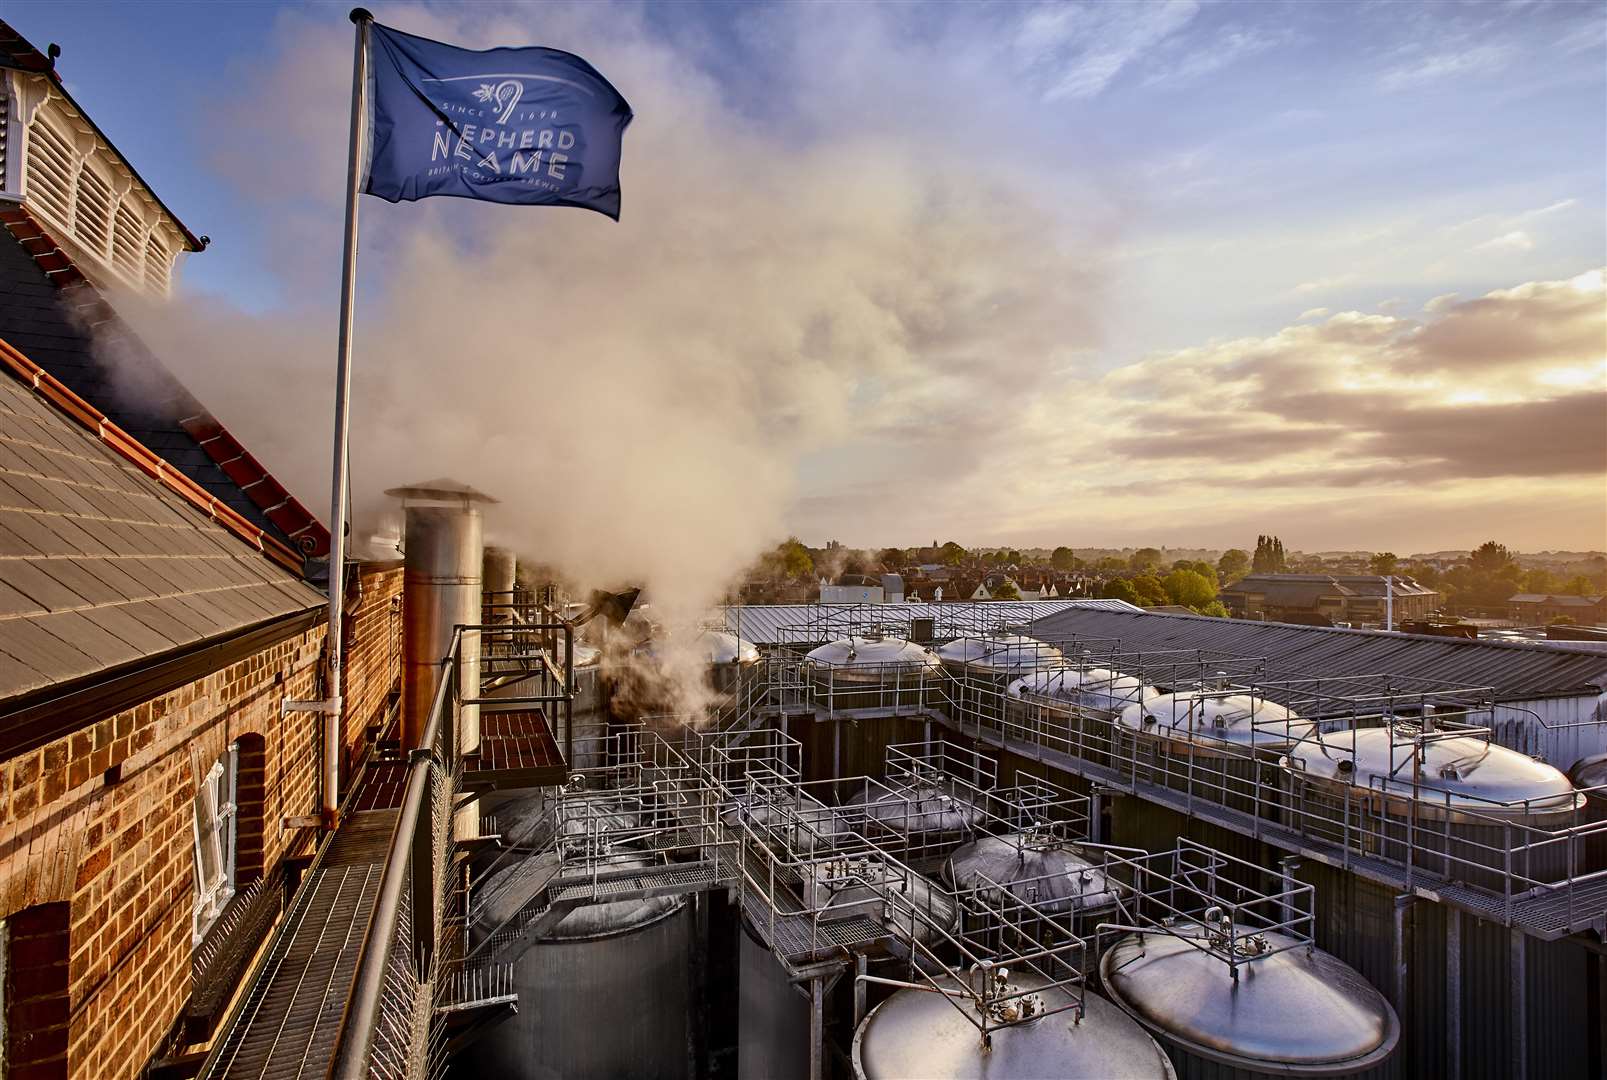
(354,1042)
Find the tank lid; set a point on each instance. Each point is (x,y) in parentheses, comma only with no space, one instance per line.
(1590,772)
(923,1033)
(1241,719)
(860,651)
(806,822)
(1300,1011)
(1048,874)
(1008,652)
(916,808)
(508,891)
(1088,686)
(440,490)
(724,648)
(1461,771)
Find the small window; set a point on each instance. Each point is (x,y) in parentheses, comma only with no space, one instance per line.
(216,811)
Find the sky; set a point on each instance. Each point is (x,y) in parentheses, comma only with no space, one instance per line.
(1029,274)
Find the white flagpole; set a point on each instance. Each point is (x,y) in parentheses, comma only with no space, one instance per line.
(340,481)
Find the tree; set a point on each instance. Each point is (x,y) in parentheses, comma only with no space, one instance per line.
(1063,558)
(1234,564)
(1005,590)
(1120,589)
(1214,609)
(1110,563)
(1145,559)
(1151,593)
(1383,563)
(1269,557)
(1578,585)
(1189,588)
(951,554)
(893,559)
(1542,581)
(1490,558)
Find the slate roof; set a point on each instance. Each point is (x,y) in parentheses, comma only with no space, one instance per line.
(102,565)
(125,380)
(1515,671)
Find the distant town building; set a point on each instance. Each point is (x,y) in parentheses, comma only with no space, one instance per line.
(1535,609)
(855,589)
(1358,599)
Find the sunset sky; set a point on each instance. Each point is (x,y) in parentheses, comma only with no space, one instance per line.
(1145,273)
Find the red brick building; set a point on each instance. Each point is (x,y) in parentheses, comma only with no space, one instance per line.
(155,617)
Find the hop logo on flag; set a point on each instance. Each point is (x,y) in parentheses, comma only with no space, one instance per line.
(505,94)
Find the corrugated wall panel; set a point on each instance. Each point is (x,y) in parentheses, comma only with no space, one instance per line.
(1487,1017)
(1557,1007)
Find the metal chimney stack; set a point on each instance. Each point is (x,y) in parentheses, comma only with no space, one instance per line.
(440,591)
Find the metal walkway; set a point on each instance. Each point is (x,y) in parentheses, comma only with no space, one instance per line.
(287,1024)
(1546,914)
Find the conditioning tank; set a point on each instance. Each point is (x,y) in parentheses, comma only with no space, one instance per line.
(979,669)
(604,994)
(1054,704)
(1462,803)
(1052,875)
(872,672)
(1215,745)
(773,1035)
(923,1035)
(925,809)
(730,660)
(1296,1012)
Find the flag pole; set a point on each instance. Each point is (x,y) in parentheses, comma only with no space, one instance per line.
(340,480)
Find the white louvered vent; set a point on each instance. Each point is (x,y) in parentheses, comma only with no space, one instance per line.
(92,216)
(50,171)
(128,239)
(5,128)
(157,262)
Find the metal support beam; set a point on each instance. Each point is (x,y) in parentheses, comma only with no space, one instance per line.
(861,964)
(1520,1012)
(817,1029)
(1453,994)
(1402,950)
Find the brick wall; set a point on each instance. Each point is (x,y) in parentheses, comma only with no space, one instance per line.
(373,650)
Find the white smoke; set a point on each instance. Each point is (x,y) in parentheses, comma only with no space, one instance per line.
(638,396)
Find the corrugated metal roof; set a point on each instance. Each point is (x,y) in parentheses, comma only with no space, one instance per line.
(1514,671)
(101,565)
(771,624)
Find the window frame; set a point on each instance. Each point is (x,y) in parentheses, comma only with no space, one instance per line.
(217,801)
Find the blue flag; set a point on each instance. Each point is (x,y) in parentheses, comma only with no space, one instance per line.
(533,126)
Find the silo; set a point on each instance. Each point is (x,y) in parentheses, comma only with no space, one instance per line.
(924,1035)
(1293,1010)
(630,961)
(498,571)
(589,711)
(1456,804)
(788,822)
(1588,773)
(1221,746)
(1069,704)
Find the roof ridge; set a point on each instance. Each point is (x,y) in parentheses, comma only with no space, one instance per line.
(146,460)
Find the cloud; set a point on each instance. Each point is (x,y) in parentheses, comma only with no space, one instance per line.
(1077,50)
(1326,284)
(1314,313)
(1474,60)
(1516,240)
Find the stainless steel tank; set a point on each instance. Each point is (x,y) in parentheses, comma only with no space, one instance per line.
(440,591)
(928,810)
(498,570)
(730,660)
(923,1035)
(1298,1012)
(590,711)
(788,822)
(1222,747)
(1073,707)
(1052,875)
(872,672)
(605,994)
(979,669)
(1457,804)
(773,1028)
(1591,772)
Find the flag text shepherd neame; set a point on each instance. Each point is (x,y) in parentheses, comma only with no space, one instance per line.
(531,125)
